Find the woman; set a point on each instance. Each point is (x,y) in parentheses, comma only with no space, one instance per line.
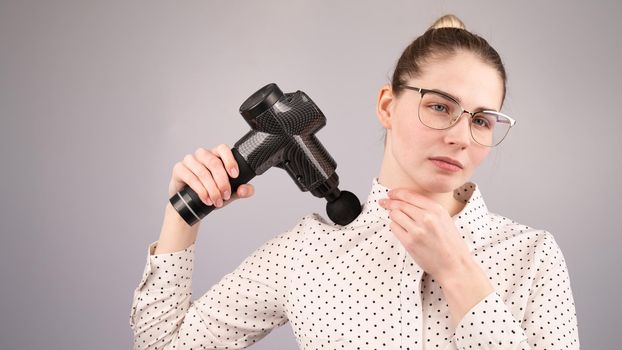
(425,265)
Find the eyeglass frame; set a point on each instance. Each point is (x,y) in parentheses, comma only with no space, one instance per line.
(423,91)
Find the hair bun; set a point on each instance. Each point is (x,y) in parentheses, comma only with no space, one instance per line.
(448,21)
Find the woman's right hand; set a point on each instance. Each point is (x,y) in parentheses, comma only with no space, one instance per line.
(205,171)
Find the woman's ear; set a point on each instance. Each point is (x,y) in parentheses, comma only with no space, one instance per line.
(384,106)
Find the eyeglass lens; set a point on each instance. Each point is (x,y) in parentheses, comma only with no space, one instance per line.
(439,112)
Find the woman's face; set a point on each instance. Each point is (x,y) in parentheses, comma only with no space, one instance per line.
(411,145)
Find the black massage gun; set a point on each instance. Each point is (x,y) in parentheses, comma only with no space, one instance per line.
(282,135)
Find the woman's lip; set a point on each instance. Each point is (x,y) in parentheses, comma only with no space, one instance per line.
(449,160)
(445,165)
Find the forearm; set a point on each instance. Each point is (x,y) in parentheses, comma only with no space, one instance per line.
(162,300)
(464,288)
(479,316)
(176,234)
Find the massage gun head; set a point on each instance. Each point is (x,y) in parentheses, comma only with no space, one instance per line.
(283,135)
(342,207)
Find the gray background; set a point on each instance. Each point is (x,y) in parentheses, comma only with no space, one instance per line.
(98,101)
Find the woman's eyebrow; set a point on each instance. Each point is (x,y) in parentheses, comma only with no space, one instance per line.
(460,102)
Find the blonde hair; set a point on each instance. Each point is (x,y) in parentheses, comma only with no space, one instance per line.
(446,36)
(448,21)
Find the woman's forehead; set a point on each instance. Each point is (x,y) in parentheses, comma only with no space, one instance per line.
(465,77)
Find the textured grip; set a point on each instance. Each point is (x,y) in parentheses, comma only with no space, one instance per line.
(192,209)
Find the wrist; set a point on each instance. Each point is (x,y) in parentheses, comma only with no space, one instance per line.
(176,234)
(465,269)
(464,287)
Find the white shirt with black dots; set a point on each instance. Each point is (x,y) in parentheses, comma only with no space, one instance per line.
(356,287)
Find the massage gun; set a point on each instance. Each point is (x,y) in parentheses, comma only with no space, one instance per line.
(282,135)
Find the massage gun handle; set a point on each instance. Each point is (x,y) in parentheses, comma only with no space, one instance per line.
(191,207)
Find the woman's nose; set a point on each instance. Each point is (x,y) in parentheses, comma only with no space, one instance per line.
(460,132)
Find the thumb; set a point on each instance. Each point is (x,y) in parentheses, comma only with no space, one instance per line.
(243,191)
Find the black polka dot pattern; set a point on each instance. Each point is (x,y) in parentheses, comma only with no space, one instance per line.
(356,287)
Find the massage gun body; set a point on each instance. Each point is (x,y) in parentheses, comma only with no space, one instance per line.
(282,135)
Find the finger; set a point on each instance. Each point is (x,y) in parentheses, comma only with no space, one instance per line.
(205,177)
(401,234)
(243,191)
(414,213)
(214,164)
(225,153)
(246,190)
(404,221)
(230,167)
(413,198)
(187,177)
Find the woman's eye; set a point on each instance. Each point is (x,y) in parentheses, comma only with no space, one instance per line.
(439,108)
(481,122)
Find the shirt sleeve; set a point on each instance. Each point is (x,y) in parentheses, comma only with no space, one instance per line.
(549,320)
(242,308)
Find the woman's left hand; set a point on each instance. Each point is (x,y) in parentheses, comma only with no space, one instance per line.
(427,232)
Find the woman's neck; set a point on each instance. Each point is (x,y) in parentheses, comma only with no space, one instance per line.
(447,200)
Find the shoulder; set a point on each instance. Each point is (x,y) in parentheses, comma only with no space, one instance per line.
(285,249)
(294,237)
(311,224)
(538,244)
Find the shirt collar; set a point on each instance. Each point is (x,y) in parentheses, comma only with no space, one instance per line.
(470,221)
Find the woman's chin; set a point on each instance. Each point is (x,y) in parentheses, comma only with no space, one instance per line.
(443,184)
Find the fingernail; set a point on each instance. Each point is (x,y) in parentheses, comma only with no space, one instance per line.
(219,203)
(209,202)
(243,191)
(227,194)
(234,172)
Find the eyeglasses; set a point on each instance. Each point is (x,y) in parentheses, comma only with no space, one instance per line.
(440,111)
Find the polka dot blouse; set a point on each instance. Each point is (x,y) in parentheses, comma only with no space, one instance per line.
(356,287)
